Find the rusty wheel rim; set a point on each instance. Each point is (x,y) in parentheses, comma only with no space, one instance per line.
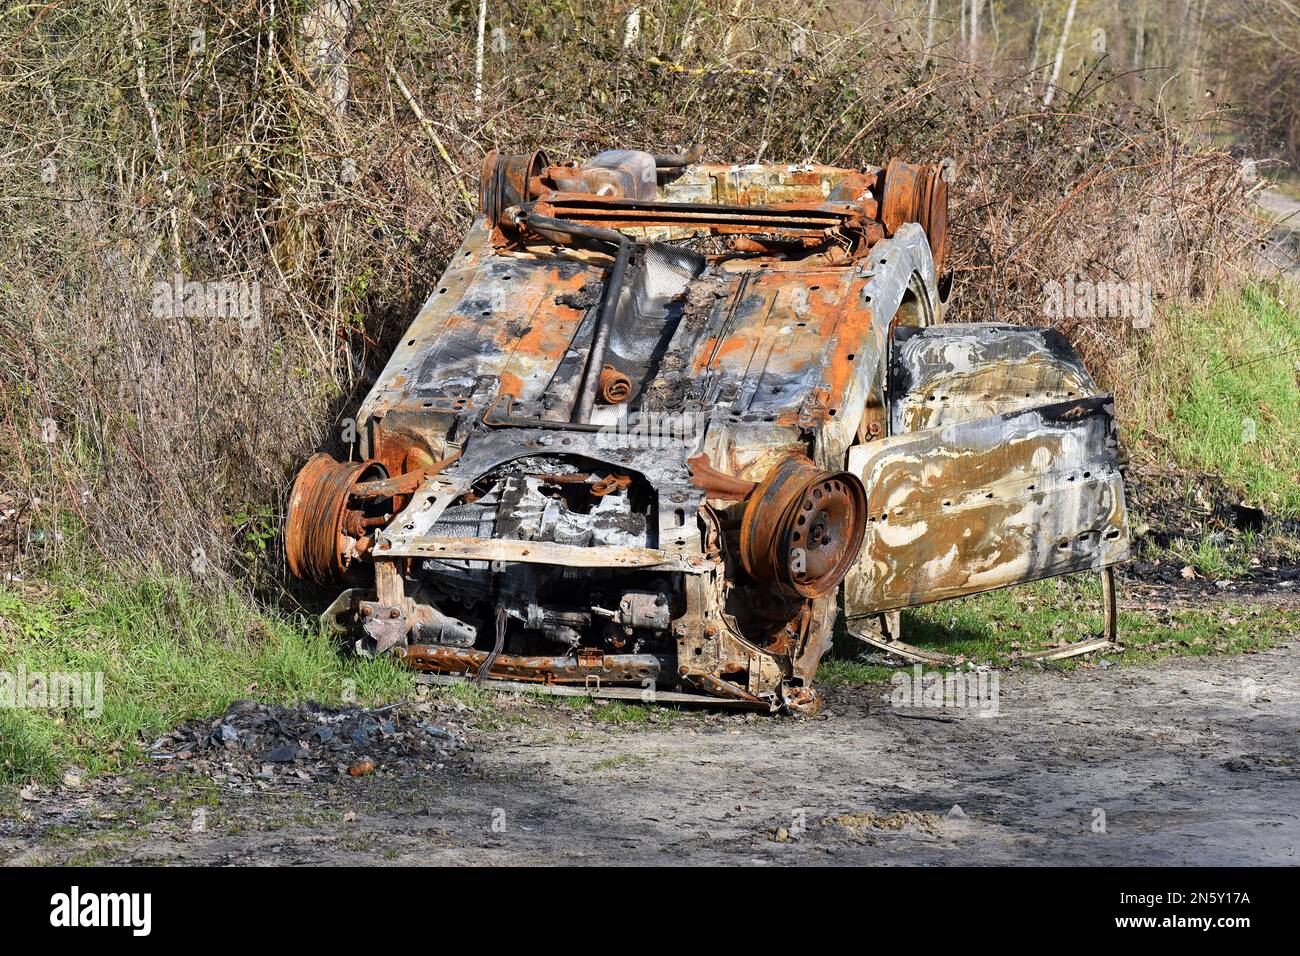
(505,181)
(824,533)
(913,193)
(900,200)
(934,217)
(803,527)
(315,537)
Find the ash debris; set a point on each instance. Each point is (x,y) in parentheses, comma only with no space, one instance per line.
(254,742)
(584,298)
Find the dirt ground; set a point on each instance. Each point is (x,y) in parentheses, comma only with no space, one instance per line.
(1184,765)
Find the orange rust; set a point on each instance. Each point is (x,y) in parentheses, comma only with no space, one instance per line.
(609,484)
(717,483)
(702,356)
(853,326)
(565,669)
(917,194)
(315,535)
(403,484)
(542,331)
(510,384)
(802,528)
(614,387)
(400,451)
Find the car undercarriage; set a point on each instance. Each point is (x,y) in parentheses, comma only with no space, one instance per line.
(663,426)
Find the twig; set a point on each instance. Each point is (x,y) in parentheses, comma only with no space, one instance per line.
(428,128)
(137,32)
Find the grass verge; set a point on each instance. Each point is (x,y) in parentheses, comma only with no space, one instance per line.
(168,650)
(1220,393)
(992,628)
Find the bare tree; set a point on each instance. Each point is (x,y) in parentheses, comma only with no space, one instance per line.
(1060,54)
(478,54)
(1140,37)
(929,33)
(1260,64)
(327,29)
(1038,29)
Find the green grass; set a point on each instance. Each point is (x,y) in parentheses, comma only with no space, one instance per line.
(992,628)
(843,668)
(616,713)
(1233,381)
(1214,559)
(168,651)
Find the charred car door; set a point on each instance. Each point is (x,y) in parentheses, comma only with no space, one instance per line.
(1002,465)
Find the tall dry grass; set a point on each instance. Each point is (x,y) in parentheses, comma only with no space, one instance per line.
(326,150)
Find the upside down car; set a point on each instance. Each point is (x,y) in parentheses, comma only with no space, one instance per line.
(664,425)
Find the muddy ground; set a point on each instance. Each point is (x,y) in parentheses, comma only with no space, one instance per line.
(1186,767)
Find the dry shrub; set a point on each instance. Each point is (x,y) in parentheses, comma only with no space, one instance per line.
(229,159)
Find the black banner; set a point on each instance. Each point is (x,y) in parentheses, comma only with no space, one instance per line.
(303,905)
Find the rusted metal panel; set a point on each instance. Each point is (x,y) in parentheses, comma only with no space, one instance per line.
(558,669)
(773,183)
(537,552)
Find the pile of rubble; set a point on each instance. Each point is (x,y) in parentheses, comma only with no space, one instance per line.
(261,742)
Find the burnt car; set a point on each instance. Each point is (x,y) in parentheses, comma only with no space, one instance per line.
(663,423)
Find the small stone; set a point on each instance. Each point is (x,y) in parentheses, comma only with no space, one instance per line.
(285,754)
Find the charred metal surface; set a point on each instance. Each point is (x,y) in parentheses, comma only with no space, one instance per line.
(956,373)
(657,413)
(989,502)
